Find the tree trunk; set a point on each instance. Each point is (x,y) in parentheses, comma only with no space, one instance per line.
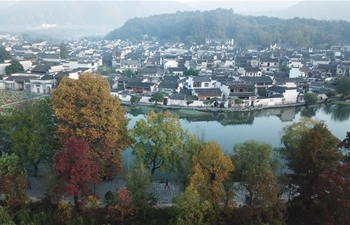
(35,170)
(76,205)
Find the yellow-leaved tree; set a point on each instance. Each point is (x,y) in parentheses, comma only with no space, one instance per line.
(84,108)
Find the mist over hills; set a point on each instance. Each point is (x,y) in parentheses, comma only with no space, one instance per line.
(73,18)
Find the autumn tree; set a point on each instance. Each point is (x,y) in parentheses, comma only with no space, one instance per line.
(75,172)
(343,86)
(309,150)
(14,67)
(85,108)
(124,204)
(158,139)
(211,168)
(13,181)
(333,188)
(32,133)
(254,172)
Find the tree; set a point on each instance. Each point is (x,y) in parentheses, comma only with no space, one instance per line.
(333,190)
(32,133)
(211,168)
(5,218)
(330,94)
(124,204)
(74,170)
(343,86)
(254,170)
(85,108)
(189,102)
(63,51)
(310,98)
(135,99)
(129,73)
(157,97)
(15,67)
(189,208)
(4,55)
(13,181)
(138,183)
(309,150)
(158,139)
(284,68)
(191,72)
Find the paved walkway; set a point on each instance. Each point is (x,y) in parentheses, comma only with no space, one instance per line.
(39,187)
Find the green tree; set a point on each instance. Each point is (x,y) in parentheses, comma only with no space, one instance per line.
(32,133)
(129,73)
(189,208)
(138,183)
(158,139)
(254,171)
(84,108)
(15,67)
(4,55)
(157,97)
(330,94)
(13,181)
(284,68)
(189,102)
(63,51)
(309,150)
(191,72)
(135,99)
(310,98)
(343,86)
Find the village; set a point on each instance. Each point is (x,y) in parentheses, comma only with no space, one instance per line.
(217,74)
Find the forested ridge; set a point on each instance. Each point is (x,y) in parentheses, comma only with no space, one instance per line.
(195,26)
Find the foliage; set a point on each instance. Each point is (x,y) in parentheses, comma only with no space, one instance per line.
(74,170)
(239,101)
(182,169)
(63,51)
(14,67)
(4,55)
(310,98)
(254,170)
(135,99)
(189,208)
(343,86)
(105,70)
(309,150)
(333,187)
(246,30)
(284,68)
(157,97)
(330,94)
(222,105)
(31,132)
(189,102)
(124,204)
(138,182)
(85,108)
(191,72)
(13,181)
(5,218)
(158,139)
(210,170)
(129,73)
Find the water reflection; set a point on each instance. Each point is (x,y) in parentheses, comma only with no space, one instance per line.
(337,112)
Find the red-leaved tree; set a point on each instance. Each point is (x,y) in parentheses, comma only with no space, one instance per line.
(334,196)
(74,170)
(124,205)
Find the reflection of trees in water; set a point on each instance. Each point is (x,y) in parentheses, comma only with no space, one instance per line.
(338,112)
(309,111)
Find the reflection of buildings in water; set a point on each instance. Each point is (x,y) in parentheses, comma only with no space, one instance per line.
(286,114)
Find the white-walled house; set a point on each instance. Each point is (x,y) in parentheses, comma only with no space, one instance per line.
(201,82)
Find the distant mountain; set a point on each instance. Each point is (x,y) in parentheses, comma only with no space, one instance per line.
(246,30)
(321,10)
(100,16)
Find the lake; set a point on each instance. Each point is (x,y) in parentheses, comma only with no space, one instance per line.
(230,128)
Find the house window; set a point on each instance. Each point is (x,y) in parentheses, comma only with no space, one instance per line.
(197,84)
(232,90)
(240,90)
(206,84)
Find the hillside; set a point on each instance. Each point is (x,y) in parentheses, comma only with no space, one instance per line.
(246,30)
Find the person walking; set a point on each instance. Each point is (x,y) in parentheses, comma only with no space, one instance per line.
(167,184)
